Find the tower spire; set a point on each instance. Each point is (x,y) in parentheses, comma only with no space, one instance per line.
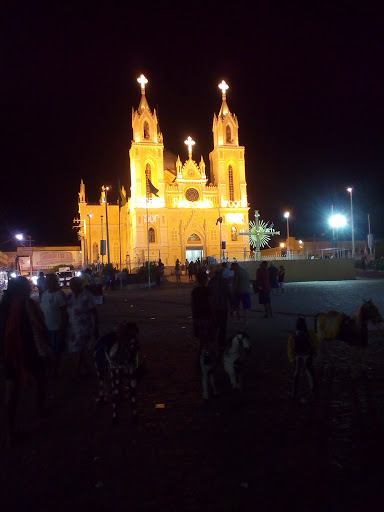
(224,107)
(143,102)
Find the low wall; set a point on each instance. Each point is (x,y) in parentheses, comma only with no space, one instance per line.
(310,270)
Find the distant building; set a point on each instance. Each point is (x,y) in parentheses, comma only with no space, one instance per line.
(182,222)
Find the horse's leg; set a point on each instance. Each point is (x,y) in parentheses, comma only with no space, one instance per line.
(132,382)
(212,381)
(204,376)
(309,371)
(358,361)
(295,376)
(115,383)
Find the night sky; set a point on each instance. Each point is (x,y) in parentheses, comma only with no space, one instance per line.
(306,84)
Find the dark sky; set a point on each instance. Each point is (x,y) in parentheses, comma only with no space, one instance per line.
(306,84)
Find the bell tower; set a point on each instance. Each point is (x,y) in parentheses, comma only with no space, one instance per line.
(227,158)
(146,153)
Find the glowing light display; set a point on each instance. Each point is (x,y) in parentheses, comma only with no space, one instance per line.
(234,204)
(180,203)
(265,233)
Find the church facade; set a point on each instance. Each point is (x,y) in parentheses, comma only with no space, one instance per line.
(190,215)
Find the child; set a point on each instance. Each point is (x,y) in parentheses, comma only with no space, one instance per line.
(301,348)
(120,351)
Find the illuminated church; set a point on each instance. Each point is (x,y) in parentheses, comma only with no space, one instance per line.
(192,212)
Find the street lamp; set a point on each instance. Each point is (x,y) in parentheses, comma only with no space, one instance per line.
(286,215)
(219,221)
(90,239)
(18,237)
(337,221)
(105,190)
(350,189)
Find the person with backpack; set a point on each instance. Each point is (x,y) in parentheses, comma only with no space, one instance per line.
(301,348)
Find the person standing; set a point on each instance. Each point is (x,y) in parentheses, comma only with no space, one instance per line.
(54,307)
(41,284)
(186,266)
(83,322)
(24,348)
(241,291)
(273,278)
(190,270)
(221,301)
(178,271)
(301,348)
(281,278)
(264,286)
(203,327)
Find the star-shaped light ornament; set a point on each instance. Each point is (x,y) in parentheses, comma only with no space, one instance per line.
(265,233)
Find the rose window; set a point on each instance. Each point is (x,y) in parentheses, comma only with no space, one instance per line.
(192,194)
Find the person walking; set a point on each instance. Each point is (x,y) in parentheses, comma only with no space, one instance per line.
(83,322)
(241,292)
(264,286)
(25,349)
(54,306)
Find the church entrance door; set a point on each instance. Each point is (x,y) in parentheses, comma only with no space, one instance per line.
(192,253)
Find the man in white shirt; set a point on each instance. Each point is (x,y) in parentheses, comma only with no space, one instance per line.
(54,306)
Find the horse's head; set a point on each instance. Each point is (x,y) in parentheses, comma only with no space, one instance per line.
(244,341)
(370,311)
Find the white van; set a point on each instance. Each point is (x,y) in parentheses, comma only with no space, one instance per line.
(64,275)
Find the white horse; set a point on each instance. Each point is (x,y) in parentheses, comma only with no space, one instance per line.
(232,358)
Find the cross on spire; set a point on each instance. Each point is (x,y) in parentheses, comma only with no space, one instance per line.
(189,142)
(223,86)
(142,81)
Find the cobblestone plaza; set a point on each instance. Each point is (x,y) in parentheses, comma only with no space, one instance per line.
(257,450)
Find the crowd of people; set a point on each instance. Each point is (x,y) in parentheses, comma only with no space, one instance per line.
(34,334)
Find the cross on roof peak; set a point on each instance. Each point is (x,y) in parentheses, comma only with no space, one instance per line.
(189,142)
(142,81)
(223,86)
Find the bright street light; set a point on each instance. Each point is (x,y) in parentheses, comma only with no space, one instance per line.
(350,189)
(337,221)
(286,215)
(19,236)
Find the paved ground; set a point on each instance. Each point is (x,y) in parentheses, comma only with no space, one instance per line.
(254,451)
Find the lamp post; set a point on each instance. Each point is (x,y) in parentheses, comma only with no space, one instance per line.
(337,221)
(105,190)
(219,221)
(286,215)
(90,239)
(350,190)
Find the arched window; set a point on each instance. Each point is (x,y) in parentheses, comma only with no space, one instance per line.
(194,238)
(116,252)
(151,235)
(174,235)
(228,134)
(146,130)
(148,175)
(95,252)
(233,234)
(230,183)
